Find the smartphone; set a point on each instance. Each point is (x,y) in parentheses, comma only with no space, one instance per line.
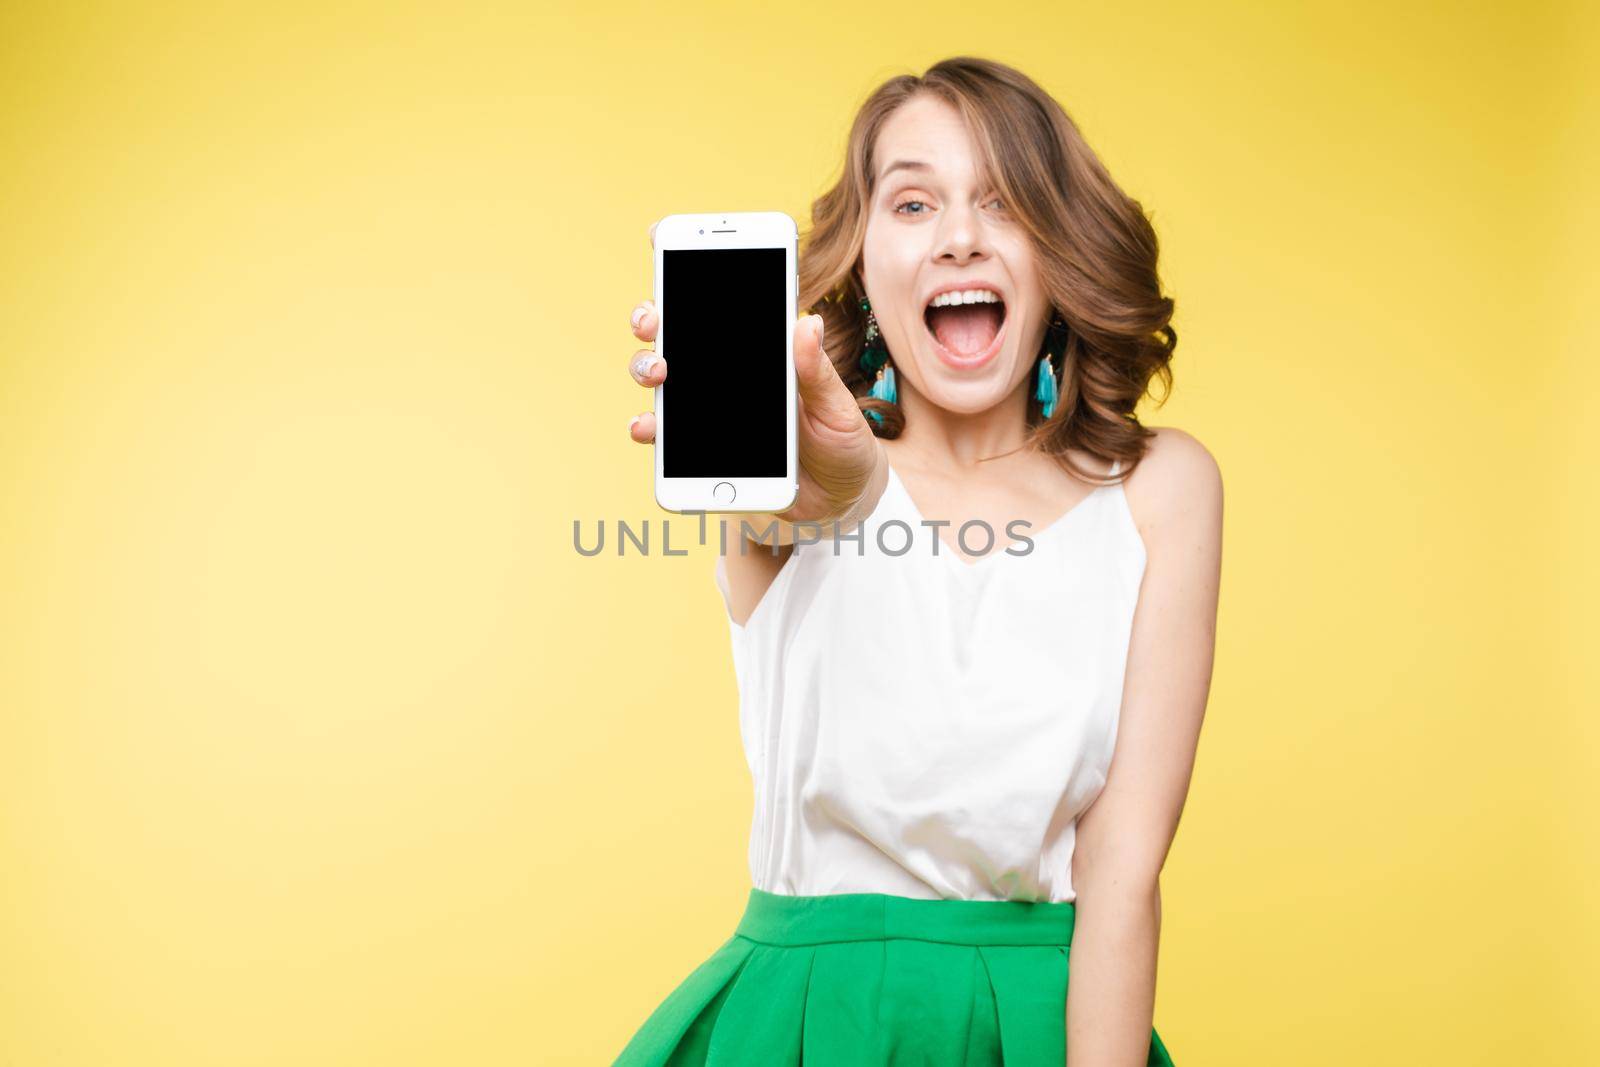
(725,290)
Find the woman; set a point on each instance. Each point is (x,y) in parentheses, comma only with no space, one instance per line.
(970,752)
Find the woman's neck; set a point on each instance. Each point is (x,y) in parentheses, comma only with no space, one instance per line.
(935,436)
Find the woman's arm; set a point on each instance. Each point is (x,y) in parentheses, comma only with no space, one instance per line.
(1122,840)
(750,565)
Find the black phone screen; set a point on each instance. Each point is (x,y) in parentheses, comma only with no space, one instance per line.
(724,328)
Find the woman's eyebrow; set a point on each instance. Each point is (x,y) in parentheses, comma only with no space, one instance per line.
(903,164)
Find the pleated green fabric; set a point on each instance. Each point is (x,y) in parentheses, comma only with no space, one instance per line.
(874,980)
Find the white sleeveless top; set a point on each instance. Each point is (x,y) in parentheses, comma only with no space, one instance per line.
(932,725)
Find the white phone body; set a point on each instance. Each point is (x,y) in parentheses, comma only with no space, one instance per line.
(725,415)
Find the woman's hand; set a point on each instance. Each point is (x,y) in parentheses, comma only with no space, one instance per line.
(842,466)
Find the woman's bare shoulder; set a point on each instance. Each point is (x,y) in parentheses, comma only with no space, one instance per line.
(1176,483)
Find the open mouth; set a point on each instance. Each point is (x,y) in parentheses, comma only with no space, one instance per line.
(966,325)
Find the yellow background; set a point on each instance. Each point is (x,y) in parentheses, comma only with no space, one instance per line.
(319,744)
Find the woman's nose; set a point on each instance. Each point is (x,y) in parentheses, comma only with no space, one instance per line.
(961,235)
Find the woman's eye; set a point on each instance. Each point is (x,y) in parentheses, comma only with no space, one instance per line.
(997,203)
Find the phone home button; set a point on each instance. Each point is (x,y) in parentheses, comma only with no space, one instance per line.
(724,492)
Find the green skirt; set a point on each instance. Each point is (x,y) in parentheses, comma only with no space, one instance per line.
(872,980)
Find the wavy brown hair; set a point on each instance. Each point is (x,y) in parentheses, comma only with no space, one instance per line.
(1096,256)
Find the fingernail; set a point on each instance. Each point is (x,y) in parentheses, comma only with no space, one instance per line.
(639,313)
(634,422)
(818,330)
(642,366)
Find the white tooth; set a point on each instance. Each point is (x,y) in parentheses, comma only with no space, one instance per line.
(965,296)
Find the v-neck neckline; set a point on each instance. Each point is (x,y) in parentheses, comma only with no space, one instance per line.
(958,557)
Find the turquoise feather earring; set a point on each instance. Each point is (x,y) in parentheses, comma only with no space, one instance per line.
(1055,345)
(875,360)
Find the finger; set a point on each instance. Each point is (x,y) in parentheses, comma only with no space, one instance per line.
(643,427)
(821,389)
(645,320)
(647,367)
